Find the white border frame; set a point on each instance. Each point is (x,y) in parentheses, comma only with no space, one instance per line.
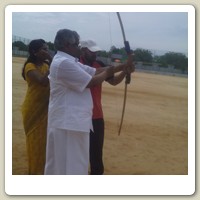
(110,184)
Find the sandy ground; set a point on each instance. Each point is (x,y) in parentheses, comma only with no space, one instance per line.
(154,135)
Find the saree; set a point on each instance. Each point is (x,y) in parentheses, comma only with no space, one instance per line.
(34,114)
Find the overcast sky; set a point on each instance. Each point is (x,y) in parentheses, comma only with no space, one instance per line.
(164,31)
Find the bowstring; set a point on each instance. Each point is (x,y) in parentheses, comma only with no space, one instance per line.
(109,27)
(115,96)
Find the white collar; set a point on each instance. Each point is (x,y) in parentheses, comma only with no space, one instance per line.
(62,53)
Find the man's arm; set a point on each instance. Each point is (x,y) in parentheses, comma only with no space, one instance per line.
(100,77)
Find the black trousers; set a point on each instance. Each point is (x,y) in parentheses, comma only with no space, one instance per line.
(96,147)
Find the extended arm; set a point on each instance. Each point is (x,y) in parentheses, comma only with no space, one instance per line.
(101,76)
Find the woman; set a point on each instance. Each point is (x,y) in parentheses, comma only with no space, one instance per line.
(35,106)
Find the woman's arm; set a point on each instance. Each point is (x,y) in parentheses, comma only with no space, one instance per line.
(38,77)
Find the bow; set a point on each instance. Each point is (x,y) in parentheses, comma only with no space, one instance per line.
(128,76)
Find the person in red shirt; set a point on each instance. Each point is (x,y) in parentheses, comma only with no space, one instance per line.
(89,57)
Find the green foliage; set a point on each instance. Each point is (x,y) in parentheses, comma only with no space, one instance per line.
(104,54)
(51,46)
(143,55)
(20,45)
(178,60)
(23,47)
(119,51)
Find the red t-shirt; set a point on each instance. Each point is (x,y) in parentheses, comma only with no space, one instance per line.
(96,95)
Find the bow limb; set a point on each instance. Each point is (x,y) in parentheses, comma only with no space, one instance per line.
(128,76)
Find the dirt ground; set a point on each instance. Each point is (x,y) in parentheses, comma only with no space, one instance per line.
(154,135)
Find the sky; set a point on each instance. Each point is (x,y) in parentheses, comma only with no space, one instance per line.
(159,32)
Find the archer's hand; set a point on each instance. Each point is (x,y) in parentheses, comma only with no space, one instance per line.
(130,69)
(129,66)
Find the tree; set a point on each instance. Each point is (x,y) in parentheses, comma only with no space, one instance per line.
(21,46)
(178,60)
(51,46)
(143,55)
(103,54)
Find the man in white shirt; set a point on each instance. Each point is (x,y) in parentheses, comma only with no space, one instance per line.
(70,107)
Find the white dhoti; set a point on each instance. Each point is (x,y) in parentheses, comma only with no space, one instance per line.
(67,152)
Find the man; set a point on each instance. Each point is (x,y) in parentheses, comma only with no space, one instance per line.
(70,107)
(88,56)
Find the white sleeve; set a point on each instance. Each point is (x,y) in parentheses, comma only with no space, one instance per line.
(73,75)
(88,69)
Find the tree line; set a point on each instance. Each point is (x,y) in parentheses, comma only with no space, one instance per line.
(178,60)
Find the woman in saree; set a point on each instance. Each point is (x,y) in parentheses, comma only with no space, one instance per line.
(35,106)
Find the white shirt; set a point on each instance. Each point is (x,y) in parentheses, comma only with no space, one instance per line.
(70,104)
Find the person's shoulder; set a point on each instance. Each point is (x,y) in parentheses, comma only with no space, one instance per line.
(30,65)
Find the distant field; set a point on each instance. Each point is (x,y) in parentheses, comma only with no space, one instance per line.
(154,136)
